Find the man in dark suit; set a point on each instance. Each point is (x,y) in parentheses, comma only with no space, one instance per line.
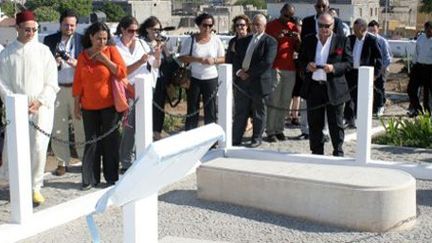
(326,59)
(366,52)
(65,45)
(310,23)
(256,79)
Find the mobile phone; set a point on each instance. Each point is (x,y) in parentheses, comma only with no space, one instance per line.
(320,66)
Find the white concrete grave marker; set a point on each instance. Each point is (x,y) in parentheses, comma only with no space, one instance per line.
(162,163)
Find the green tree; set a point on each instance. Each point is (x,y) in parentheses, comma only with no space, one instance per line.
(426,6)
(8,7)
(260,4)
(46,14)
(35,4)
(113,11)
(81,7)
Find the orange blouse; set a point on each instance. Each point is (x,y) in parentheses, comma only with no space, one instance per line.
(92,80)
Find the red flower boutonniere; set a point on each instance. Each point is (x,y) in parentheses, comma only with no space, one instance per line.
(339,51)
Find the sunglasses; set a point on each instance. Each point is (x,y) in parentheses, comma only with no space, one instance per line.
(207,25)
(240,25)
(132,31)
(320,6)
(28,30)
(320,25)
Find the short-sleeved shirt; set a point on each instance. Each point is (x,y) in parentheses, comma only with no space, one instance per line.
(213,48)
(286,45)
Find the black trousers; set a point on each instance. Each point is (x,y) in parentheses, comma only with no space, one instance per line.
(316,115)
(244,105)
(421,74)
(379,92)
(159,97)
(350,111)
(205,89)
(96,123)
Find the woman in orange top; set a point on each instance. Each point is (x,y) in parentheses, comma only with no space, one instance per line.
(97,65)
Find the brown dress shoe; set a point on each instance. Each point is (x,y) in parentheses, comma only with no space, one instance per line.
(61,170)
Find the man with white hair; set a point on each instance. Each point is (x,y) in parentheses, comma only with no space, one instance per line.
(326,58)
(366,52)
(27,67)
(256,78)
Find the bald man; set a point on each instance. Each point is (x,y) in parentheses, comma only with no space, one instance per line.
(256,78)
(326,58)
(310,23)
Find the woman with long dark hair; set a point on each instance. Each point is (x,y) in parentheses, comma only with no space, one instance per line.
(150,31)
(140,61)
(207,52)
(97,65)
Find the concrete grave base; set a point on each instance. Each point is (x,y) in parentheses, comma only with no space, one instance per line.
(358,198)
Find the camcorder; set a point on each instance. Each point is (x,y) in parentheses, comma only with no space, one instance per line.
(290,33)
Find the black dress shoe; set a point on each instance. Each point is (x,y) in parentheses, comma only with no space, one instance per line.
(326,138)
(350,124)
(280,137)
(272,139)
(86,187)
(302,136)
(255,143)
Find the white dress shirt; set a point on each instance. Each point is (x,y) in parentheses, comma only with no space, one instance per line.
(357,50)
(321,56)
(66,72)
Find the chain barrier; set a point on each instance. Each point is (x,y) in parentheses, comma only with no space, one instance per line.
(244,92)
(91,141)
(212,96)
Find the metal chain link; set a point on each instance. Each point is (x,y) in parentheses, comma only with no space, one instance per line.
(91,141)
(212,96)
(244,92)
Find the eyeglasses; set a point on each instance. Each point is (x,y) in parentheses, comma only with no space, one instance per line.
(28,30)
(207,25)
(320,6)
(132,31)
(240,25)
(320,25)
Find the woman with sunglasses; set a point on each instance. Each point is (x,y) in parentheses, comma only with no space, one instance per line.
(97,65)
(241,26)
(203,51)
(140,61)
(149,30)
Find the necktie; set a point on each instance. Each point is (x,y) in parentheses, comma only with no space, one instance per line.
(249,52)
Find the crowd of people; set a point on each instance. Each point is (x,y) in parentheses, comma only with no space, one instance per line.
(306,69)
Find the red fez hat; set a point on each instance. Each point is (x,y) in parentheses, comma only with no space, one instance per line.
(24,16)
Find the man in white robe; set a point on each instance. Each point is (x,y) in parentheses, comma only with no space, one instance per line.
(28,67)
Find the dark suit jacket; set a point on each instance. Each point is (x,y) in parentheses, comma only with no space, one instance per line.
(309,26)
(341,58)
(260,69)
(371,54)
(236,52)
(52,40)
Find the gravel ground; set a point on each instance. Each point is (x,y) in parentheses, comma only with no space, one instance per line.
(181,214)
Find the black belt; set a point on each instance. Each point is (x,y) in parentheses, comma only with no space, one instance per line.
(319,82)
(65,85)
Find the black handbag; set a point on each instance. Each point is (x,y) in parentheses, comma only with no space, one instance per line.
(181,76)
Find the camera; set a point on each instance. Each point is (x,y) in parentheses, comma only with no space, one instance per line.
(63,54)
(290,34)
(161,36)
(320,66)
